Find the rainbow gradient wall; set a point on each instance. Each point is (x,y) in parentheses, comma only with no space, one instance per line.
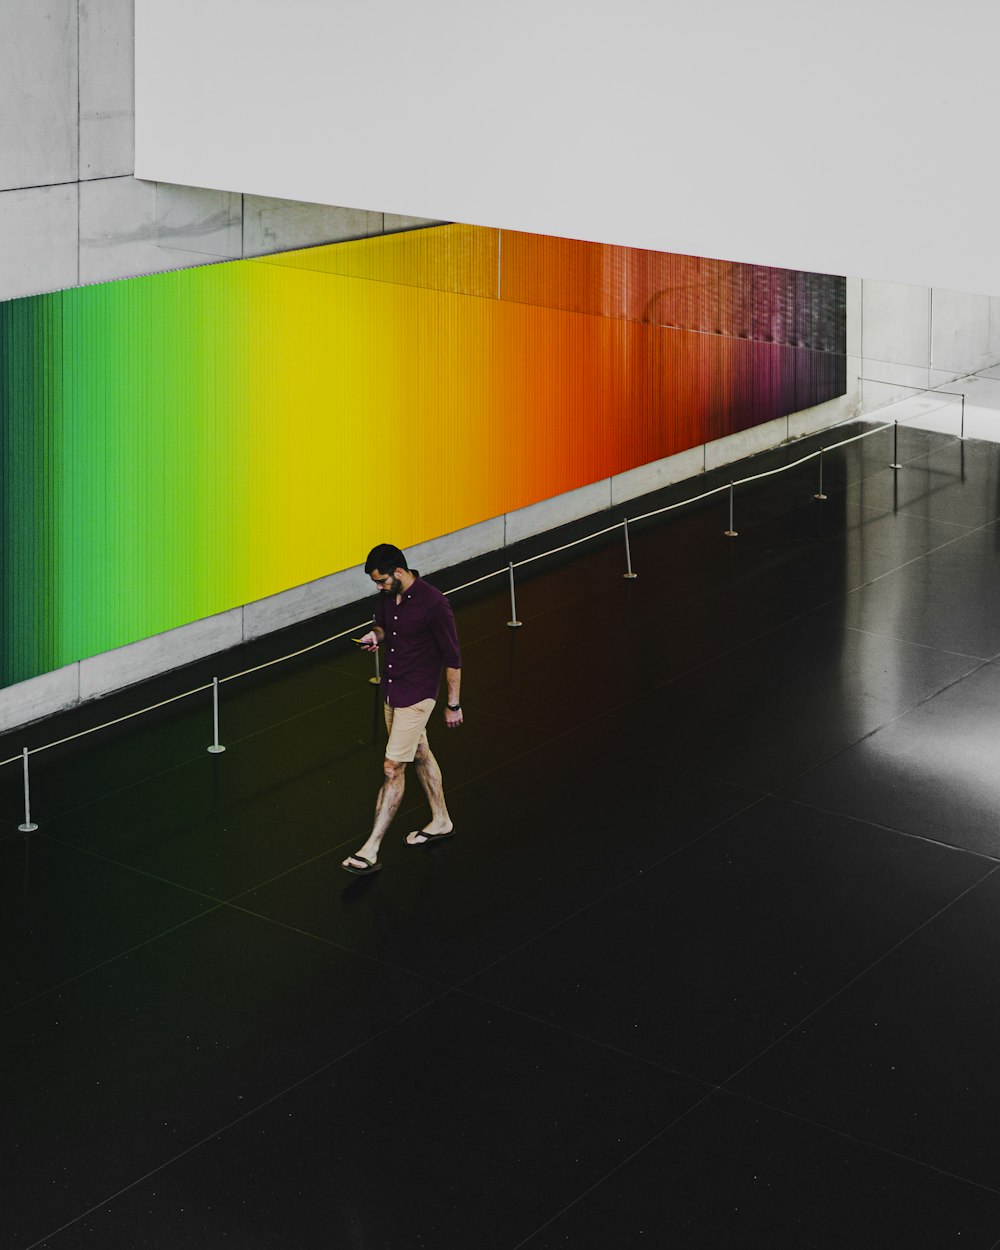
(177,445)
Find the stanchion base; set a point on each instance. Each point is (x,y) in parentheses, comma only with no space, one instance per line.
(216,750)
(27,828)
(819,496)
(895,466)
(732,533)
(374,681)
(630,577)
(515,624)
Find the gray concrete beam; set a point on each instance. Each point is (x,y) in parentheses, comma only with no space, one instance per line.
(119,236)
(271,225)
(38,240)
(107,88)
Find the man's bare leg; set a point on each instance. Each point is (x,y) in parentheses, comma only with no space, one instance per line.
(386,806)
(429,776)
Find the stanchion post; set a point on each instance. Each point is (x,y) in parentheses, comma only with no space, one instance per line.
(731,532)
(215,749)
(377,679)
(819,494)
(628,556)
(961,432)
(895,446)
(29,826)
(514,623)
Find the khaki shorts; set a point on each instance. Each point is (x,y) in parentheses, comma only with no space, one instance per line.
(407,728)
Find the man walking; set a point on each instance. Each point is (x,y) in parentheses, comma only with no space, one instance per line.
(417,626)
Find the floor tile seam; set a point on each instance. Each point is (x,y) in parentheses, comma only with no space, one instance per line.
(753,1101)
(227,900)
(883,511)
(923,646)
(829,541)
(611,1172)
(225,1128)
(569,736)
(916,559)
(711,1086)
(104,963)
(790,781)
(336,849)
(754,798)
(444,986)
(878,633)
(683,600)
(187,762)
(614,708)
(407,810)
(647,757)
(937,520)
(127,867)
(288,720)
(841,990)
(564,920)
(874,824)
(685,673)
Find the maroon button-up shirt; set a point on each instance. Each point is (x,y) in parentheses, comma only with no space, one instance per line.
(420,641)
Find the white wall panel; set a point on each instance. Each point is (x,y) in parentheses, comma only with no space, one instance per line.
(855,138)
(960,332)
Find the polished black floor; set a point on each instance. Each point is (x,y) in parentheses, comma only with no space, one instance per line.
(712,962)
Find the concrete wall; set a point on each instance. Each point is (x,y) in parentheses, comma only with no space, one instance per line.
(71,211)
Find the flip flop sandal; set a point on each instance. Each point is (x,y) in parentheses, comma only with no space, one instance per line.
(429,837)
(362,872)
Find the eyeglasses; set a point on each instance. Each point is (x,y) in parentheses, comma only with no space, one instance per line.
(381,581)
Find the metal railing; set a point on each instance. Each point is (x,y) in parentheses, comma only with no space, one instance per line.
(28,826)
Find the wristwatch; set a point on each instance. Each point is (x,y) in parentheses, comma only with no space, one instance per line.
(454,707)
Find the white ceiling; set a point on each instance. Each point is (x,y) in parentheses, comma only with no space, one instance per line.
(856,138)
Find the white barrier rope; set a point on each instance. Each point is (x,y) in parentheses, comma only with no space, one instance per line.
(281,659)
(291,656)
(108,724)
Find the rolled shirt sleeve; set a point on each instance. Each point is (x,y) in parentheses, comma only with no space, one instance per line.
(446,635)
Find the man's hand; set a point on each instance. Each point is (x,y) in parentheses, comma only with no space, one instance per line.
(369,641)
(453,719)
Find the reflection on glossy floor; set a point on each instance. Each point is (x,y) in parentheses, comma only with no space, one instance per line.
(968,406)
(712,961)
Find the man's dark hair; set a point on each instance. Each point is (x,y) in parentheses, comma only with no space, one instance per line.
(386,558)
